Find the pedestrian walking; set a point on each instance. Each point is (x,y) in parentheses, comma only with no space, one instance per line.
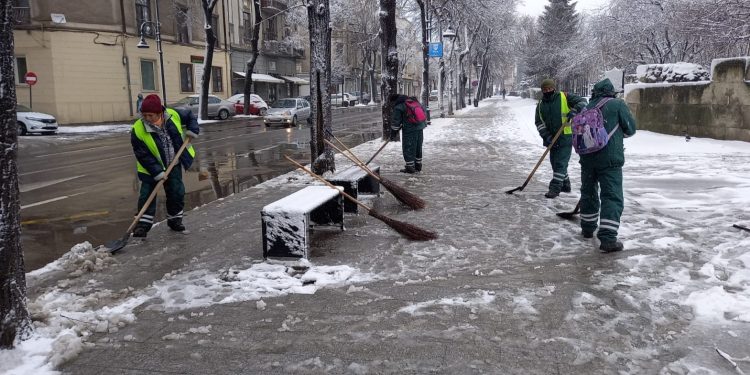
(155,137)
(408,115)
(138,102)
(503,92)
(553,111)
(601,171)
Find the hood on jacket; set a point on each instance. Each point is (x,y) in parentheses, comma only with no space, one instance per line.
(603,88)
(400,99)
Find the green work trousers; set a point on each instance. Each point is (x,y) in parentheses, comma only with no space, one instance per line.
(609,180)
(175,191)
(411,146)
(559,157)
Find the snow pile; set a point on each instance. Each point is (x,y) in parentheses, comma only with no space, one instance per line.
(479,298)
(677,72)
(114,128)
(82,258)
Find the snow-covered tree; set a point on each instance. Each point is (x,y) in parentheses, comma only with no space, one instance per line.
(208,12)
(558,28)
(389,55)
(14,317)
(250,64)
(319,23)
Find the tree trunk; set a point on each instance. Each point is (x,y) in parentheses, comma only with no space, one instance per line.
(319,18)
(425,58)
(373,91)
(250,66)
(389,55)
(208,11)
(14,318)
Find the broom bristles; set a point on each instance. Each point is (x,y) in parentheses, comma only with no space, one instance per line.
(403,195)
(407,230)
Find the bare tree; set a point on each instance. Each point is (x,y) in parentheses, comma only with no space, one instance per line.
(425,55)
(319,21)
(250,65)
(14,317)
(389,54)
(208,11)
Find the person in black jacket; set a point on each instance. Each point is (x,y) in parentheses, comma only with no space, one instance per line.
(156,138)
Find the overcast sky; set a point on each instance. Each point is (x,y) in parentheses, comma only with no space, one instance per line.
(536,7)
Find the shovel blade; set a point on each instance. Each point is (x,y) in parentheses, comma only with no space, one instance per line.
(567,215)
(511,191)
(117,245)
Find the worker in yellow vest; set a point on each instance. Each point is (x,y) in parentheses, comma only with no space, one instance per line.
(156,137)
(556,109)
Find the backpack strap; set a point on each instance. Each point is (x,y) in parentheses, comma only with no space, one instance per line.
(599,107)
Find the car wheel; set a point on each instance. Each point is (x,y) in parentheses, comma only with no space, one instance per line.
(294,121)
(223,114)
(21,128)
(263,111)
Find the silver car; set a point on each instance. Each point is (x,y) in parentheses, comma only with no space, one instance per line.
(288,112)
(216,106)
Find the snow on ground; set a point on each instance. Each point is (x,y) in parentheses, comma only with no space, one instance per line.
(682,261)
(108,128)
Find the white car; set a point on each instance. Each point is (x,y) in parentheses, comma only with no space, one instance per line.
(289,111)
(255,101)
(34,122)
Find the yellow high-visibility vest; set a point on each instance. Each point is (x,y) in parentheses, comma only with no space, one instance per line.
(139,129)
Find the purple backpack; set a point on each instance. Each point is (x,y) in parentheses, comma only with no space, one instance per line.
(589,133)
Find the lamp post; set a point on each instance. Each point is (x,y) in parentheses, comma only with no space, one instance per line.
(450,35)
(142,44)
(476,94)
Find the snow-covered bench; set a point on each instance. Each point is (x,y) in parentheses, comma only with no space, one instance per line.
(288,221)
(355,182)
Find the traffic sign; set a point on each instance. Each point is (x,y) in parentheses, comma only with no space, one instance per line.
(30,78)
(436,49)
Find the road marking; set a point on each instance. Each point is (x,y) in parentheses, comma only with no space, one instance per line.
(49,201)
(70,152)
(39,185)
(78,216)
(76,165)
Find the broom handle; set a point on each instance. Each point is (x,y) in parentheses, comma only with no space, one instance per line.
(377,152)
(357,162)
(330,185)
(159,184)
(543,156)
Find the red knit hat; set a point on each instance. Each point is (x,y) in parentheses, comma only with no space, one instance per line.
(152,104)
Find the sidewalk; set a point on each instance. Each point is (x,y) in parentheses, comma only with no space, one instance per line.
(507,288)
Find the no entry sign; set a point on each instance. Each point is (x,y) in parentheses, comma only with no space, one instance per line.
(30,78)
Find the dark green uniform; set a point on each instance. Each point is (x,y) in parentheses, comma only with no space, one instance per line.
(603,169)
(413,137)
(550,116)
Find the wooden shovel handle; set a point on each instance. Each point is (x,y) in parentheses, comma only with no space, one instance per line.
(543,156)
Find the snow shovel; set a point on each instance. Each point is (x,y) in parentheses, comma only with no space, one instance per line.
(741,227)
(538,163)
(572,214)
(116,245)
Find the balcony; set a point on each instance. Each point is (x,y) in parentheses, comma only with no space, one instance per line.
(282,49)
(22,15)
(273,5)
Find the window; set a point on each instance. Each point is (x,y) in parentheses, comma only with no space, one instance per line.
(21,69)
(232,38)
(143,14)
(186,78)
(182,26)
(148,77)
(299,67)
(272,66)
(215,27)
(216,79)
(213,100)
(271,30)
(247,27)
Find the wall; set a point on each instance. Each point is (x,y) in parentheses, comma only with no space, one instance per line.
(719,109)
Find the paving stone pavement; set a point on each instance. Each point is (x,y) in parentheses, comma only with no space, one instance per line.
(496,293)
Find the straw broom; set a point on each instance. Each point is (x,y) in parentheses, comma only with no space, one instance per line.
(400,193)
(407,230)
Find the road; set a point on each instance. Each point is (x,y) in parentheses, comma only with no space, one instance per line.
(84,188)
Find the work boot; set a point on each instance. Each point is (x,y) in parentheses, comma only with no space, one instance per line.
(140,231)
(552,194)
(176,225)
(418,167)
(408,169)
(611,247)
(566,186)
(587,234)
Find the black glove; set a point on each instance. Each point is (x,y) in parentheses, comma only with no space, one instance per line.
(572,114)
(394,134)
(546,141)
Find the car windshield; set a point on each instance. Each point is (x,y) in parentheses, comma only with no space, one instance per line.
(185,100)
(22,108)
(285,103)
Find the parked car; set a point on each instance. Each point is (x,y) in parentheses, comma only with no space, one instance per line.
(34,122)
(434,95)
(344,100)
(287,111)
(353,98)
(216,106)
(258,106)
(363,97)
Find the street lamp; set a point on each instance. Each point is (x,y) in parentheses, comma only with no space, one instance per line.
(450,35)
(476,94)
(142,44)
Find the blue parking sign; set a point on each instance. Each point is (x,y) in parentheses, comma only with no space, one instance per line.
(436,49)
